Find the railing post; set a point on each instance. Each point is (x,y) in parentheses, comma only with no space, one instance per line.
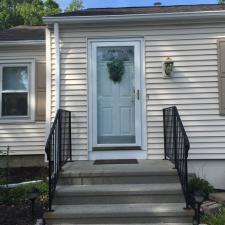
(186,181)
(175,136)
(164,132)
(70,143)
(48,149)
(59,146)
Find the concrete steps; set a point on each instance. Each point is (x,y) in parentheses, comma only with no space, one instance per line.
(145,193)
(118,178)
(120,213)
(158,171)
(136,224)
(118,193)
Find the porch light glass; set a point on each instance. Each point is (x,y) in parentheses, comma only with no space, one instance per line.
(168,66)
(199,197)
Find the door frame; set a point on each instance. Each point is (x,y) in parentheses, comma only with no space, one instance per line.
(143,137)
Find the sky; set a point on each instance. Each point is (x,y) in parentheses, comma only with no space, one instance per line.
(125,3)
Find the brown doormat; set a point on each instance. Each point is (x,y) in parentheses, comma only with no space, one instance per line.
(116,161)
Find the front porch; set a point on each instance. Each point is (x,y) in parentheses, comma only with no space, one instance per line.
(118,191)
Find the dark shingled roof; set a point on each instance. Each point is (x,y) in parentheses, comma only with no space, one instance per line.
(23,33)
(144,10)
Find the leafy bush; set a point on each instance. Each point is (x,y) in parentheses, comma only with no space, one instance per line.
(199,184)
(215,219)
(16,195)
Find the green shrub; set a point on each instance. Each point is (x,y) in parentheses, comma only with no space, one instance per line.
(215,219)
(199,184)
(19,194)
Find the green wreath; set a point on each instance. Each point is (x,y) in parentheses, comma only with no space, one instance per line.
(116,70)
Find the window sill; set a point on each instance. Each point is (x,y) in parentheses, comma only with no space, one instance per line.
(16,120)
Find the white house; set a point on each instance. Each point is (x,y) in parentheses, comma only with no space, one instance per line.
(118,117)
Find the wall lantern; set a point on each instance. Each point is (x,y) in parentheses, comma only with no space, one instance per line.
(168,67)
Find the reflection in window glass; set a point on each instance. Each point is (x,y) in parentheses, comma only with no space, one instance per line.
(15,78)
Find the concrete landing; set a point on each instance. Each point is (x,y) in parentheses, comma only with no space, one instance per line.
(88,168)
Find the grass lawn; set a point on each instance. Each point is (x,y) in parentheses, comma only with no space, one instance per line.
(217,218)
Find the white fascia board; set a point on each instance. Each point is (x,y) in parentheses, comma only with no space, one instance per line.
(22,43)
(138,17)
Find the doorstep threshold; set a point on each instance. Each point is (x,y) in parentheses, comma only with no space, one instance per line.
(117,148)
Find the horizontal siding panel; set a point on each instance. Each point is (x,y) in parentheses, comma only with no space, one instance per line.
(72,66)
(190,63)
(74,61)
(187,112)
(179,86)
(178,96)
(174,43)
(183,69)
(169,102)
(195,90)
(180,58)
(191,47)
(173,53)
(198,117)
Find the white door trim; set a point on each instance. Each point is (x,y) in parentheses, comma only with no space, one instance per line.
(138,43)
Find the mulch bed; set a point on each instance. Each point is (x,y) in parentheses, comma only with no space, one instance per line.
(19,214)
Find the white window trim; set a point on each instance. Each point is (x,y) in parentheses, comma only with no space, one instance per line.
(31,90)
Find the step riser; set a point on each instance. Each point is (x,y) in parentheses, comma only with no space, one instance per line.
(118,180)
(118,199)
(123,220)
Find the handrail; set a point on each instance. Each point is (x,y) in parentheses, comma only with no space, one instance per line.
(176,147)
(58,148)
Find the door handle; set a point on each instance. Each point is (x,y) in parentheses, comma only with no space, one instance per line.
(138,94)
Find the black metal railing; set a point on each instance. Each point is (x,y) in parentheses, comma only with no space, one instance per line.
(58,148)
(176,146)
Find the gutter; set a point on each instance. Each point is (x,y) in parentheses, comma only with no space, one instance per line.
(155,17)
(22,43)
(57,66)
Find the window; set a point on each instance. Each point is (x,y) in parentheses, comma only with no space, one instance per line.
(16,92)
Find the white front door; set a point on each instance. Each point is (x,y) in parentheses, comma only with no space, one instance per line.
(116,95)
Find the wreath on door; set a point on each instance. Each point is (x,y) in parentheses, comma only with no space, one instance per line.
(116,70)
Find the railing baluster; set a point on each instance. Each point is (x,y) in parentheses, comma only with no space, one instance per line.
(57,150)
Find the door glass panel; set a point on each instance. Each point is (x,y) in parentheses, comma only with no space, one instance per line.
(115,95)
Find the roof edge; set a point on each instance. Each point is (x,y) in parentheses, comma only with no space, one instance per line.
(22,43)
(136,17)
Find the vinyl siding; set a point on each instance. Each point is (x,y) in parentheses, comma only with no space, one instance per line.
(23,138)
(193,87)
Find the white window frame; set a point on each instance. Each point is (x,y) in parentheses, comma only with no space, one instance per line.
(31,90)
